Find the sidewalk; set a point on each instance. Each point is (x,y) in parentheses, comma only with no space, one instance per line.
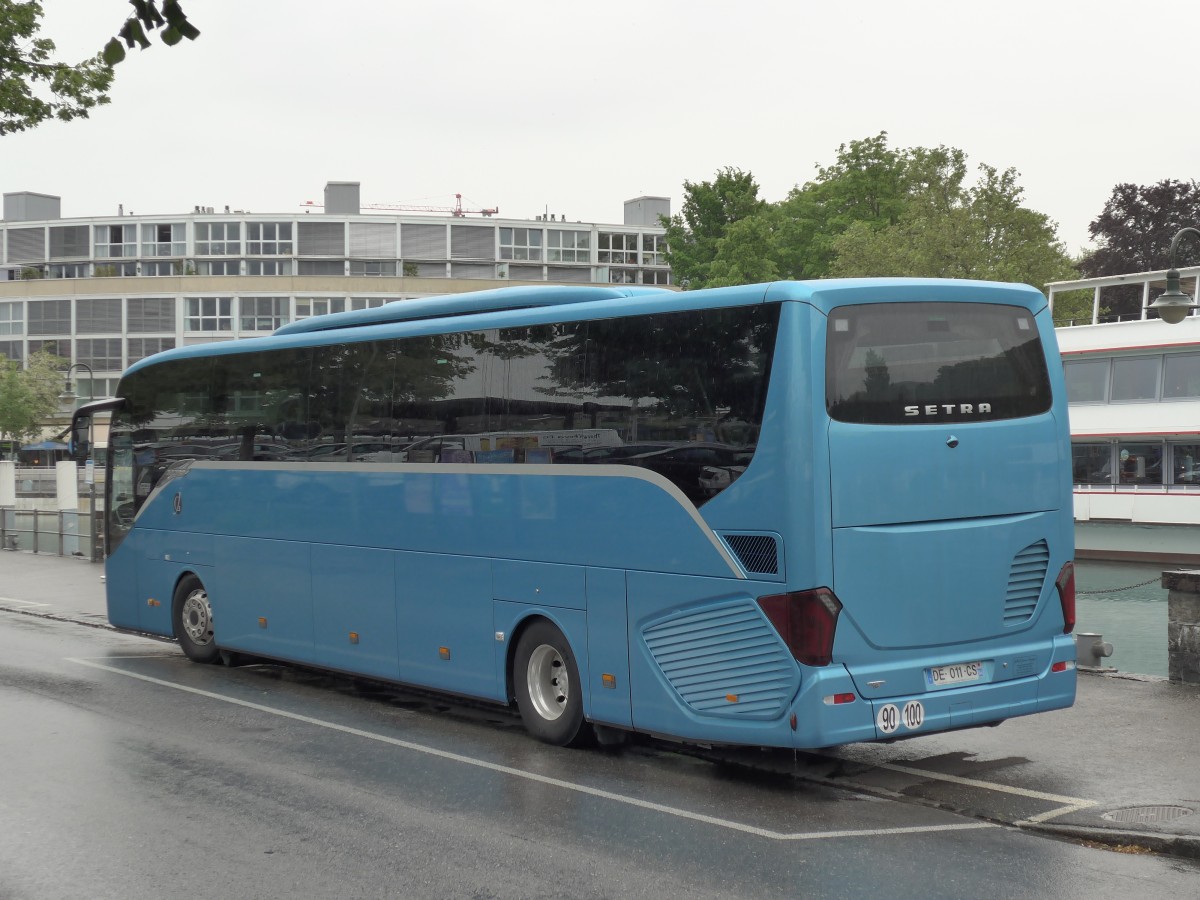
(1121,768)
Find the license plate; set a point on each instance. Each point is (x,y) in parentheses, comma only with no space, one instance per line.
(959,673)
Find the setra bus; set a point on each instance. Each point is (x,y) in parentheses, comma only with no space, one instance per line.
(890,556)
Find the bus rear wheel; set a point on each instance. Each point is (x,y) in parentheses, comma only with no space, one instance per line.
(192,621)
(549,692)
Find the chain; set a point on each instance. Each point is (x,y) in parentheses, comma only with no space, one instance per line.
(1126,588)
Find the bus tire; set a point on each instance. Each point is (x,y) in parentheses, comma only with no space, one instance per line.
(192,621)
(549,692)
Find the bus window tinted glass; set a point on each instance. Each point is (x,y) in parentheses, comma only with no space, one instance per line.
(916,363)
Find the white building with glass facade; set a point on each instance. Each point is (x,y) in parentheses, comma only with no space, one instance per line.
(104,292)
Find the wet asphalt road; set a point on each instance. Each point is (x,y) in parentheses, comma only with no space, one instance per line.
(129,772)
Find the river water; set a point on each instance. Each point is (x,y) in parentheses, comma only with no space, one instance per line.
(1115,600)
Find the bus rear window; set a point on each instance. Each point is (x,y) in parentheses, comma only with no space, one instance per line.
(919,363)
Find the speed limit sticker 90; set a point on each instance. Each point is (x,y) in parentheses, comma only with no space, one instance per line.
(890,718)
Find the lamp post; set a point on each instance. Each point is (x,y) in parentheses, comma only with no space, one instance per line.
(68,395)
(1174,305)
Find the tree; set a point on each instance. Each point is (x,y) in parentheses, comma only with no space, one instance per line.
(709,209)
(29,396)
(1134,232)
(982,233)
(35,88)
(26,65)
(147,17)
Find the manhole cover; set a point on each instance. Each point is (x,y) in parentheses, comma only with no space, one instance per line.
(1148,815)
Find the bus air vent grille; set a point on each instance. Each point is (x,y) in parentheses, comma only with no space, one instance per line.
(725,660)
(1025,582)
(758,553)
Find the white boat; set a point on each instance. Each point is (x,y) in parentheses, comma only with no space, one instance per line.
(1134,398)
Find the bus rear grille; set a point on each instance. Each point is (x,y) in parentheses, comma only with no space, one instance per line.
(725,660)
(1025,581)
(758,553)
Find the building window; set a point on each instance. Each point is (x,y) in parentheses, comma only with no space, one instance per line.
(98,316)
(209,314)
(219,267)
(151,314)
(262,313)
(163,267)
(49,317)
(59,347)
(269,238)
(11,319)
(568,246)
(654,250)
(218,238)
(164,240)
(101,354)
(521,243)
(69,270)
(1091,463)
(622,276)
(327,267)
(140,348)
(373,267)
(268,267)
(618,249)
(116,270)
(318,306)
(116,240)
(651,276)
(367,302)
(13,350)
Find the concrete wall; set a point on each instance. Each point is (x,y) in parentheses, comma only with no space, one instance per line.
(1183,625)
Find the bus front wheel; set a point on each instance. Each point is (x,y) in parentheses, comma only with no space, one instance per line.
(192,621)
(549,692)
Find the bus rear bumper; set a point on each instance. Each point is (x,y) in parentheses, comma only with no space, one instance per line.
(838,719)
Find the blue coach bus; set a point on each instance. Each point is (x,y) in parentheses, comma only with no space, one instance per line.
(797,514)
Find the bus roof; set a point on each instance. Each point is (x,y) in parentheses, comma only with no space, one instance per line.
(447,305)
(538,304)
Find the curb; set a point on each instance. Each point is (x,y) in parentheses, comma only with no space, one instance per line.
(1178,845)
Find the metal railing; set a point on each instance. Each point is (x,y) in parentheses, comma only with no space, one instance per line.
(36,525)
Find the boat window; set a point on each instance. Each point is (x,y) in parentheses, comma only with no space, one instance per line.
(1087,380)
(1135,378)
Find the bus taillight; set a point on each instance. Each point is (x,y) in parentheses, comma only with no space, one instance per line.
(806,620)
(1066,595)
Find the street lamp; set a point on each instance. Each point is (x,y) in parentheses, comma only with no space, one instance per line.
(68,395)
(1174,305)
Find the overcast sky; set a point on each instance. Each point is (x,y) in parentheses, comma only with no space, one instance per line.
(572,108)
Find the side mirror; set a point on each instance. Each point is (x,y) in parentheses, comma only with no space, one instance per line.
(81,434)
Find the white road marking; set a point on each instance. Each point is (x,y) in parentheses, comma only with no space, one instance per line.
(21,602)
(1068,804)
(544,779)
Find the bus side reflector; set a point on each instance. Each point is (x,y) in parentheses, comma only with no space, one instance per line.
(1064,666)
(262,621)
(1066,595)
(609,681)
(807,622)
(354,637)
(838,699)
(443,652)
(732,698)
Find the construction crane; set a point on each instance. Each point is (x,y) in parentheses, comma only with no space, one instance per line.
(456,210)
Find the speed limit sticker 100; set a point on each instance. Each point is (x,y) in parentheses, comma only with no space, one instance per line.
(890,717)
